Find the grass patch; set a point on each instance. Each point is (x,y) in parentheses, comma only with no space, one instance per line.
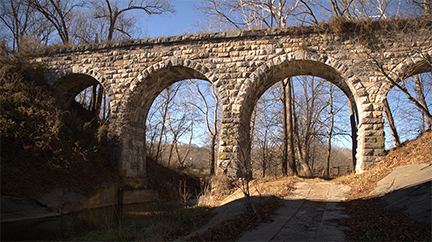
(154,226)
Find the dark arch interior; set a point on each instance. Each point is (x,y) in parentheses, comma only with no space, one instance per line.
(67,87)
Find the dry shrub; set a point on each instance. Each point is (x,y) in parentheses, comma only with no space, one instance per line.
(43,146)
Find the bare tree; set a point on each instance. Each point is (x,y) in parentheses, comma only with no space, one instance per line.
(85,29)
(285,127)
(115,12)
(402,87)
(59,13)
(389,115)
(250,14)
(288,157)
(309,109)
(353,124)
(211,125)
(290,127)
(425,5)
(16,16)
(408,118)
(27,27)
(169,95)
(267,139)
(330,131)
(178,127)
(419,88)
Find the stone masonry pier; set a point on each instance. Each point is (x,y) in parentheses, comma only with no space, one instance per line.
(242,65)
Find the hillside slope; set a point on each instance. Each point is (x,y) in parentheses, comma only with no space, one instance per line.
(416,151)
(401,210)
(42,146)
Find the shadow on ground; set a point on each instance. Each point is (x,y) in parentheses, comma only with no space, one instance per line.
(402,215)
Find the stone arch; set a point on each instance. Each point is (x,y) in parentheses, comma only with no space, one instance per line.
(280,67)
(294,64)
(140,96)
(412,65)
(416,64)
(70,82)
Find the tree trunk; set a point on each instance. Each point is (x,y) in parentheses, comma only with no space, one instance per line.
(99,100)
(215,132)
(422,99)
(170,154)
(290,131)
(330,133)
(353,133)
(300,150)
(264,154)
(93,98)
(113,19)
(391,123)
(308,134)
(104,108)
(167,101)
(284,128)
(213,155)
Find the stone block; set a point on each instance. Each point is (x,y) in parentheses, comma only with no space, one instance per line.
(368,152)
(377,145)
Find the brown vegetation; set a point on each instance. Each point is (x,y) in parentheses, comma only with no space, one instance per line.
(410,152)
(369,217)
(371,221)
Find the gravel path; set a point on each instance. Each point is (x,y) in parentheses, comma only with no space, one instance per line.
(307,215)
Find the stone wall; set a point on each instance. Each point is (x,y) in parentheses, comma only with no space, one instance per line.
(242,65)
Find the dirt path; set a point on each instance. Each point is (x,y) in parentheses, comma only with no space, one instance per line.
(307,215)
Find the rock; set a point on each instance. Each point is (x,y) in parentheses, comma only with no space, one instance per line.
(404,177)
(10,206)
(73,197)
(52,199)
(61,200)
(16,210)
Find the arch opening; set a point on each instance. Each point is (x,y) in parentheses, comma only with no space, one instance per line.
(406,111)
(294,68)
(84,94)
(320,129)
(306,70)
(183,126)
(142,135)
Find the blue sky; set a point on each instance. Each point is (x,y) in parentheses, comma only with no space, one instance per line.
(180,23)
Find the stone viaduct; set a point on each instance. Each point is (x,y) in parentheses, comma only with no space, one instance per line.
(243,65)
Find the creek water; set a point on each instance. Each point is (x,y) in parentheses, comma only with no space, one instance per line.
(72,225)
